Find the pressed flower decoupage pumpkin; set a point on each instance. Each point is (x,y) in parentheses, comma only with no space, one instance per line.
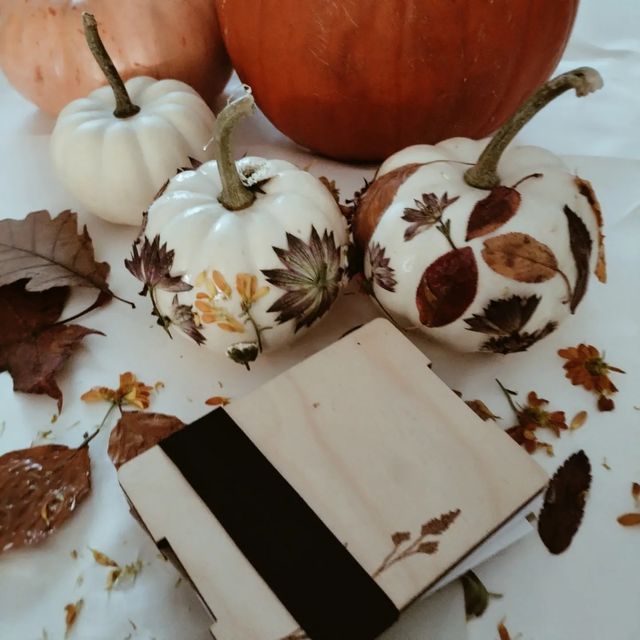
(242,256)
(488,255)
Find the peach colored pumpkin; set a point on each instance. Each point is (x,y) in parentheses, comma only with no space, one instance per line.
(44,55)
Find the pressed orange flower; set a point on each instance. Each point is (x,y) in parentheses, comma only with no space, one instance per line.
(130,391)
(206,303)
(531,417)
(247,287)
(586,367)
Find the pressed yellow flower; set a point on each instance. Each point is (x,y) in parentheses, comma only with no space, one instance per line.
(247,287)
(221,284)
(130,391)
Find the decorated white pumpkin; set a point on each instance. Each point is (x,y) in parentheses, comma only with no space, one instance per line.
(242,256)
(490,256)
(115,148)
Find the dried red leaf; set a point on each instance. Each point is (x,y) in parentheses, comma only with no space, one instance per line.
(581,244)
(32,348)
(492,212)
(447,287)
(520,257)
(585,189)
(564,502)
(41,488)
(138,431)
(629,519)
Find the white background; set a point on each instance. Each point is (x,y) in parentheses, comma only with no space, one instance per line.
(591,591)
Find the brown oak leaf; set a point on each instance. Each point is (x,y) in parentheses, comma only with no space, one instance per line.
(520,257)
(581,244)
(41,488)
(32,347)
(49,252)
(138,431)
(447,287)
(564,502)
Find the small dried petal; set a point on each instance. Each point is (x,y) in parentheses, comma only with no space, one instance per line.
(481,410)
(578,420)
(217,401)
(502,632)
(629,519)
(221,284)
(605,404)
(635,491)
(102,558)
(71,613)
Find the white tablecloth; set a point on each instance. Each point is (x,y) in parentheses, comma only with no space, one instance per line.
(591,591)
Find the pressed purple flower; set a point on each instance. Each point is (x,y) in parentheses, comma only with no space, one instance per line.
(311,278)
(381,272)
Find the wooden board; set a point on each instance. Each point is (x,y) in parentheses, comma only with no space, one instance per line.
(377,445)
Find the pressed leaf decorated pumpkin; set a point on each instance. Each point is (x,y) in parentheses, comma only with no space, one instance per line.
(242,256)
(360,79)
(488,256)
(43,55)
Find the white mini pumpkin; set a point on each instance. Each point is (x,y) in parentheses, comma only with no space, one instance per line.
(257,250)
(115,148)
(476,261)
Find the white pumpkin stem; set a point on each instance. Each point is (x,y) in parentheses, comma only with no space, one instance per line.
(235,195)
(484,175)
(124,107)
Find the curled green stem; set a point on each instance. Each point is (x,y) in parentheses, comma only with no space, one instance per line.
(483,175)
(124,107)
(235,195)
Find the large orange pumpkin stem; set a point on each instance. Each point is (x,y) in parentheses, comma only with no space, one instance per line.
(124,107)
(483,175)
(235,195)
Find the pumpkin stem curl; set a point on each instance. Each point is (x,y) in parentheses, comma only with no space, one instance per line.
(124,107)
(235,195)
(483,175)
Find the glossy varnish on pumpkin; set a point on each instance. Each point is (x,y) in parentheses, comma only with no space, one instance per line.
(44,55)
(359,79)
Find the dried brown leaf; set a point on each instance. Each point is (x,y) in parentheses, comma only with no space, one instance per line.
(71,613)
(51,479)
(481,410)
(581,244)
(447,287)
(437,526)
(520,257)
(49,252)
(428,547)
(586,190)
(32,348)
(578,420)
(103,559)
(138,431)
(629,519)
(564,502)
(399,537)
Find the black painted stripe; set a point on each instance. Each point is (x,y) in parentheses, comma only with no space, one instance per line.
(309,570)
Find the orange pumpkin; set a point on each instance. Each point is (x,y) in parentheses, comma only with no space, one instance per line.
(44,55)
(360,79)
